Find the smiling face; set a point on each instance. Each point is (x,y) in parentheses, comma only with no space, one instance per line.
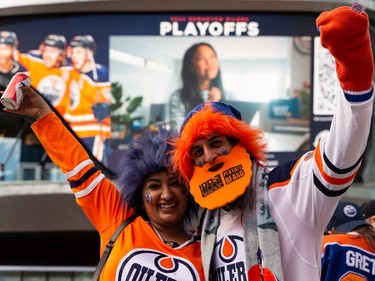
(6,56)
(81,58)
(205,64)
(165,199)
(52,56)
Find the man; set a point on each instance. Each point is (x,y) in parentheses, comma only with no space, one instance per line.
(260,224)
(348,252)
(90,104)
(368,210)
(8,66)
(48,71)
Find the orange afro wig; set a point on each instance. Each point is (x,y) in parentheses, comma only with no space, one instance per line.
(214,118)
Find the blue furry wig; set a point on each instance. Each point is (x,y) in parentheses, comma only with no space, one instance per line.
(149,154)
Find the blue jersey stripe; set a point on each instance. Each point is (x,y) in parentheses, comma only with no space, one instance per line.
(338,170)
(327,192)
(358,98)
(88,174)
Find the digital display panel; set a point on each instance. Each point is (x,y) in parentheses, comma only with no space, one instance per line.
(121,74)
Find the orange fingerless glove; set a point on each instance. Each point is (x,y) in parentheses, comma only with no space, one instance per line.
(345,33)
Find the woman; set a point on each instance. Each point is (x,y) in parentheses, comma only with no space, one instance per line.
(201,81)
(156,244)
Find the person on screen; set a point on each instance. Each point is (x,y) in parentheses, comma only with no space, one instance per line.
(8,66)
(268,225)
(201,81)
(48,71)
(350,241)
(89,110)
(157,244)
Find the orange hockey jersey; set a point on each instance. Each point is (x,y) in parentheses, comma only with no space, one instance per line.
(53,83)
(90,90)
(139,253)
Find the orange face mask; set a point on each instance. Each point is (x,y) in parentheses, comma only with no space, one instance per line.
(216,184)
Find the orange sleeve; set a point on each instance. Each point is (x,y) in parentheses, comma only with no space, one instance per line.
(96,195)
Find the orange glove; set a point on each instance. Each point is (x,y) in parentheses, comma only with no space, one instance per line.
(345,33)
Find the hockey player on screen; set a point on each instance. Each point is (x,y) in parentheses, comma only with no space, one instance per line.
(8,66)
(48,71)
(88,113)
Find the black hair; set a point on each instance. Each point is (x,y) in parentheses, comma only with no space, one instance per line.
(190,91)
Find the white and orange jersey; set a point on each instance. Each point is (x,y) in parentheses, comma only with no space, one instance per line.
(304,193)
(302,196)
(52,83)
(86,93)
(138,250)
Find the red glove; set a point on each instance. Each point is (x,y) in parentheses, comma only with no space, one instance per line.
(345,33)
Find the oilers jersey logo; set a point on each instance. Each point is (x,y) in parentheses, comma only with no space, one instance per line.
(53,88)
(232,267)
(146,264)
(229,264)
(228,248)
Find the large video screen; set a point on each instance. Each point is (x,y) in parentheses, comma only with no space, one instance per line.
(113,76)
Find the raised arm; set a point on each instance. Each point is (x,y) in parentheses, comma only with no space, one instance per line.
(319,179)
(96,195)
(345,33)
